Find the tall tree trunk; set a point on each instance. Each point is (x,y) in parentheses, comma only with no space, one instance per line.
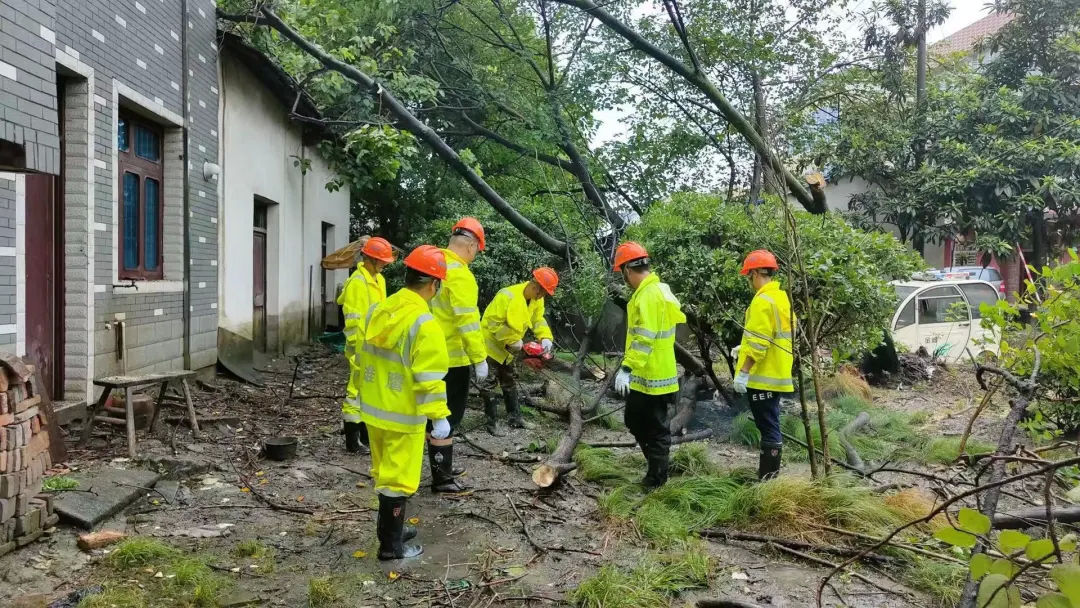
(1039,253)
(762,173)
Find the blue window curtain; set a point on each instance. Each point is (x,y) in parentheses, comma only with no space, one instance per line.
(131,221)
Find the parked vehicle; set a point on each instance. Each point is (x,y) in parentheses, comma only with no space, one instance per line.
(944,317)
(989,274)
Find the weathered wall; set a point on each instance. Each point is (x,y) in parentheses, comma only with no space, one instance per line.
(260,146)
(28,81)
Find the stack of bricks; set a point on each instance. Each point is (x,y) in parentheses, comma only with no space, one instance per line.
(24,457)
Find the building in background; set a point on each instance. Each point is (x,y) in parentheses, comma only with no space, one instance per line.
(105,215)
(277,219)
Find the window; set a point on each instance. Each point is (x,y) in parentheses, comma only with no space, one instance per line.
(138,146)
(907,315)
(977,295)
(941,305)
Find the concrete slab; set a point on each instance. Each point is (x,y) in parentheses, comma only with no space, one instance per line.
(112,490)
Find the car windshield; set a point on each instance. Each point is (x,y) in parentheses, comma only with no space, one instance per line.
(902,292)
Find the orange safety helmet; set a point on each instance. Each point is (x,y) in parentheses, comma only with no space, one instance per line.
(628,252)
(429,260)
(472,225)
(546,278)
(761,258)
(378,248)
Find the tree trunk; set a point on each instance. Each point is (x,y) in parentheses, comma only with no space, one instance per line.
(804,414)
(762,174)
(1030,518)
(702,83)
(412,124)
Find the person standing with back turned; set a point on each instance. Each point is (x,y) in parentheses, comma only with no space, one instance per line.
(648,376)
(404,362)
(364,288)
(455,308)
(763,359)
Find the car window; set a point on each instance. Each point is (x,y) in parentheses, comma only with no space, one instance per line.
(907,315)
(990,274)
(977,294)
(941,305)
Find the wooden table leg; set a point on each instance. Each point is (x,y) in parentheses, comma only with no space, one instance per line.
(157,406)
(191,410)
(129,409)
(88,422)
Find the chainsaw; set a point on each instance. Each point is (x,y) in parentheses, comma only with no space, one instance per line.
(534,355)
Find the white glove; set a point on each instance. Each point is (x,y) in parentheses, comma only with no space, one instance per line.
(547,345)
(481,370)
(440,429)
(516,346)
(740,382)
(622,381)
(735,352)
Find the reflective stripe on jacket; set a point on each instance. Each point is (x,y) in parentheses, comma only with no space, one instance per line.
(507,318)
(360,292)
(651,317)
(403,358)
(767,340)
(456,311)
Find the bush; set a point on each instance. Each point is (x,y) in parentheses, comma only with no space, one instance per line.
(698,243)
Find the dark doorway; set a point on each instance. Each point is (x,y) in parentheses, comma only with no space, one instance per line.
(258,266)
(44,284)
(327,308)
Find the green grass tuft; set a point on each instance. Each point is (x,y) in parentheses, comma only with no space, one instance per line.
(140,551)
(322,592)
(250,548)
(58,483)
(944,450)
(604,466)
(692,459)
(611,421)
(941,582)
(116,597)
(650,585)
(744,431)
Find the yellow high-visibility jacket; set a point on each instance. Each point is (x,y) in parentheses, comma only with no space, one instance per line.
(651,317)
(507,317)
(403,357)
(457,313)
(767,340)
(360,292)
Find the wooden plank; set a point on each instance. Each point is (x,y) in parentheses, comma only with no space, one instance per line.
(57,447)
(88,421)
(142,379)
(129,406)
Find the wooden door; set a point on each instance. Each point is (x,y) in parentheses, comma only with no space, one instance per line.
(44,280)
(258,259)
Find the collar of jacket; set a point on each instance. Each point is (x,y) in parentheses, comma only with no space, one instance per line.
(368,278)
(649,280)
(453,257)
(767,287)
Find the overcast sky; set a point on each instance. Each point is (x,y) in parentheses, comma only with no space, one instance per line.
(964,13)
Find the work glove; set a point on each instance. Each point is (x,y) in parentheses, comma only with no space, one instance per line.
(481,370)
(547,345)
(740,382)
(622,381)
(440,429)
(735,352)
(516,346)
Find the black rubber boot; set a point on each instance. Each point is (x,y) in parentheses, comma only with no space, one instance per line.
(352,437)
(491,412)
(513,409)
(769,460)
(658,473)
(441,459)
(390,527)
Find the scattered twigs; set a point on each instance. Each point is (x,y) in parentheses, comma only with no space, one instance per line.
(903,546)
(827,563)
(849,429)
(277,506)
(532,541)
(787,542)
(818,450)
(987,396)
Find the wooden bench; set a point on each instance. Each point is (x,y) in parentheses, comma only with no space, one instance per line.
(129,384)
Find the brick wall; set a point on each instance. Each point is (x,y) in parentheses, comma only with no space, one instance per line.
(28,82)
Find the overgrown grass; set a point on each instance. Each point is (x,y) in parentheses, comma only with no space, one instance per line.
(250,548)
(604,466)
(944,450)
(652,584)
(58,483)
(941,582)
(322,592)
(692,459)
(186,579)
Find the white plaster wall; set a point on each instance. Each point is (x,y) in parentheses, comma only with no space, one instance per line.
(259,146)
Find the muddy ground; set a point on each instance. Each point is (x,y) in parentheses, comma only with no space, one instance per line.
(476,551)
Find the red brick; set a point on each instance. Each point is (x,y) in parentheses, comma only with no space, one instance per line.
(3,381)
(35,425)
(24,414)
(10,484)
(22,504)
(3,397)
(5,420)
(37,444)
(7,509)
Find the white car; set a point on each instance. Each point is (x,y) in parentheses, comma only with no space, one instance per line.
(943,316)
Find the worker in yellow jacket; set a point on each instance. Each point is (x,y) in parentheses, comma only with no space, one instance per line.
(512,311)
(455,308)
(764,357)
(648,376)
(403,358)
(364,288)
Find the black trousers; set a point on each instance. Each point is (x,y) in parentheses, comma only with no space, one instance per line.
(765,405)
(457,394)
(646,417)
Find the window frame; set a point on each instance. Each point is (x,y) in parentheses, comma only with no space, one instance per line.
(130,162)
